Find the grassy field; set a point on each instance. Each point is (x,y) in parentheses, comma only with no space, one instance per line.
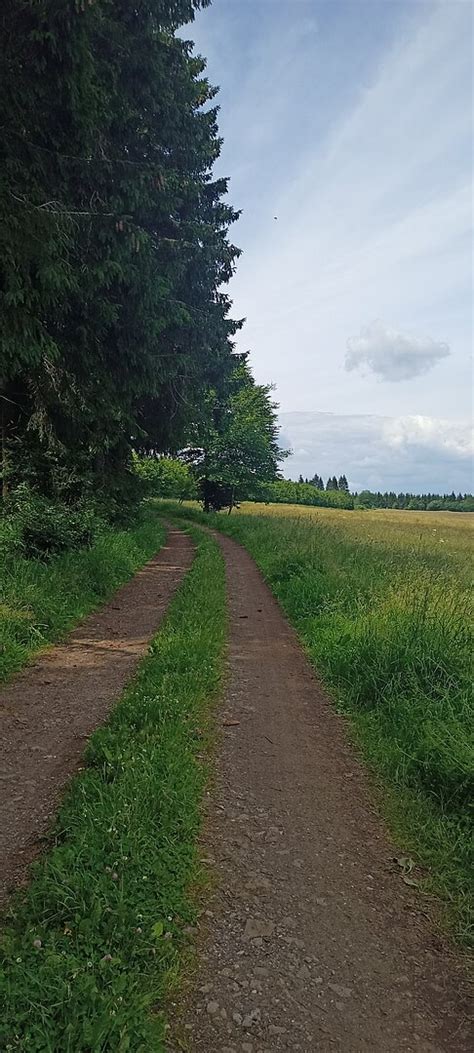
(381,601)
(90,951)
(41,601)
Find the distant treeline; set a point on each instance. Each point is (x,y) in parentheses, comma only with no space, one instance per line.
(166,477)
(333,483)
(415,502)
(286,492)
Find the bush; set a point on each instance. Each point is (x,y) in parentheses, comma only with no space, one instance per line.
(165,477)
(39,528)
(285,491)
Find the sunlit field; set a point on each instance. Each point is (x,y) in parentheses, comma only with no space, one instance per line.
(382,603)
(443,532)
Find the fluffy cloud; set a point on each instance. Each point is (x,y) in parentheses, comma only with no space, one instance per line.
(443,436)
(407,453)
(393,355)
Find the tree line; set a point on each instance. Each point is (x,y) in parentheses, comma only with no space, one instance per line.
(333,482)
(115,250)
(430,502)
(166,477)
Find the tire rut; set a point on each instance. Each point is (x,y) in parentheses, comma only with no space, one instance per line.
(50,709)
(310,941)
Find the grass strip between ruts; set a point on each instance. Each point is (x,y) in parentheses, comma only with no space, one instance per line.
(91,949)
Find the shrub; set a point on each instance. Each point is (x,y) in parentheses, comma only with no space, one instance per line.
(40,528)
(165,477)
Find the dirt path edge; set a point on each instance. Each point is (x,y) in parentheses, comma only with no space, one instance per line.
(49,710)
(310,941)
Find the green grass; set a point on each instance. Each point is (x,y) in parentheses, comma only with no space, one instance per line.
(382,605)
(111,900)
(40,602)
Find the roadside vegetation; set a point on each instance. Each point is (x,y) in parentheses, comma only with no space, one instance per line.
(90,950)
(382,604)
(41,599)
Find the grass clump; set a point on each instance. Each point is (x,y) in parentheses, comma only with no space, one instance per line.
(40,601)
(90,950)
(382,604)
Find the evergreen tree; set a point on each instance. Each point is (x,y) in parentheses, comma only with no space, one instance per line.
(342,483)
(114,237)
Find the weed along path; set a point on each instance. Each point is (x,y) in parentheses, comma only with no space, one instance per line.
(310,940)
(50,709)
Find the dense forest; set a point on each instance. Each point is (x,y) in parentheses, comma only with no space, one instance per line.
(117,335)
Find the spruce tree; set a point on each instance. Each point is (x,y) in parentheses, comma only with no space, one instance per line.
(114,235)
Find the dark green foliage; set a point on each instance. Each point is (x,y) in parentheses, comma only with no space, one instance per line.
(47,528)
(285,491)
(235,441)
(415,502)
(165,477)
(113,239)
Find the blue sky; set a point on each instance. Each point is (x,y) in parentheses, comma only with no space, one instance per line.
(351,123)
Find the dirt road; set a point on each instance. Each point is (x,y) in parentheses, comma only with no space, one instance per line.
(311,941)
(47,712)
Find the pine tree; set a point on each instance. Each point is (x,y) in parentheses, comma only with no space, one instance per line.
(342,483)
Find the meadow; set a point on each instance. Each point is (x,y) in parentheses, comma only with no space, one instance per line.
(382,603)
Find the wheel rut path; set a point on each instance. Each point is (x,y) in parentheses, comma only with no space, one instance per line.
(50,709)
(310,940)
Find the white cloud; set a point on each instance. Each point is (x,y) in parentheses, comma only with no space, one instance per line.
(391,354)
(408,453)
(442,436)
(371,186)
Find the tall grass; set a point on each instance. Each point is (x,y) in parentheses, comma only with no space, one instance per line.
(382,605)
(40,601)
(90,951)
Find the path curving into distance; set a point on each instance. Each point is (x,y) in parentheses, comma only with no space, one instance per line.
(49,710)
(310,940)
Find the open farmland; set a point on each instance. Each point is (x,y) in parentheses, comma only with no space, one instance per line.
(381,601)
